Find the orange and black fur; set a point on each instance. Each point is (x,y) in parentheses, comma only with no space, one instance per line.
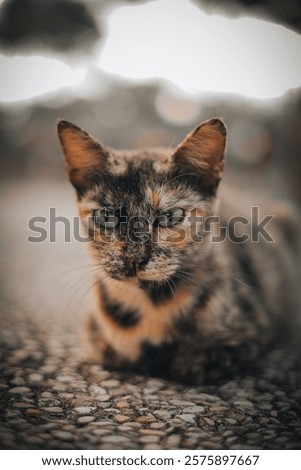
(169,300)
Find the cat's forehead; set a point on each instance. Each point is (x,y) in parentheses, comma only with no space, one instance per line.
(157,159)
(139,191)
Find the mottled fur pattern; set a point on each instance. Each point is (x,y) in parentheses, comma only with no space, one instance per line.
(169,301)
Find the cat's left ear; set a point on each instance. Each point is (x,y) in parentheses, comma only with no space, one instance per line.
(202,153)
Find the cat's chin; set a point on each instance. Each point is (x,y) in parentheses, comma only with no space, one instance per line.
(138,279)
(153,277)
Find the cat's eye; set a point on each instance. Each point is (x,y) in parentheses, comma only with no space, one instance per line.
(171,217)
(106,219)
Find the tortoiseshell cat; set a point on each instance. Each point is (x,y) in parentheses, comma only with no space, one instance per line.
(170,299)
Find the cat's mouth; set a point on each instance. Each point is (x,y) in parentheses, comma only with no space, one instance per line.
(140,277)
(136,274)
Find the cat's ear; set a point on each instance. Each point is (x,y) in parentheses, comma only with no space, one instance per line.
(84,155)
(202,152)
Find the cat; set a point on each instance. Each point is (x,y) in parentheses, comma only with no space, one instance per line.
(173,297)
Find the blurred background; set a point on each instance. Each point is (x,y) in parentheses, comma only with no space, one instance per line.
(131,73)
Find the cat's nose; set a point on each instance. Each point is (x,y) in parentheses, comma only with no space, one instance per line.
(131,268)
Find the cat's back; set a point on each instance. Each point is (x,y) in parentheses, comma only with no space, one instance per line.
(263,236)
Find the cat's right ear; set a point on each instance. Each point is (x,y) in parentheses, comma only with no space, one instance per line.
(84,155)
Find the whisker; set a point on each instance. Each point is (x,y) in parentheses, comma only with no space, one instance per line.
(190,274)
(170,282)
(187,279)
(75,303)
(219,271)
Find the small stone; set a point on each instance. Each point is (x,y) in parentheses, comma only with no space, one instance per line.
(114,439)
(170,430)
(208,421)
(124,428)
(176,422)
(66,396)
(263,421)
(33,412)
(231,420)
(188,418)
(48,426)
(152,398)
(149,439)
(122,404)
(231,439)
(20,390)
(33,440)
(190,443)
(121,419)
(35,377)
(115,392)
(151,432)
(85,410)
(18,381)
(22,405)
(194,409)
(96,390)
(207,398)
(182,403)
(269,434)
(109,410)
(253,435)
(155,383)
(46,395)
(104,422)
(157,425)
(211,445)
(79,386)
(145,419)
(217,409)
(8,444)
(48,369)
(86,419)
(266,406)
(18,356)
(243,403)
(102,398)
(64,435)
(134,424)
(152,447)
(11,414)
(173,441)
(100,432)
(54,409)
(161,414)
(110,383)
(65,378)
(101,373)
(3,386)
(228,433)
(81,401)
(59,388)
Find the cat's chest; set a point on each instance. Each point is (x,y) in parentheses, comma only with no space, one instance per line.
(129,319)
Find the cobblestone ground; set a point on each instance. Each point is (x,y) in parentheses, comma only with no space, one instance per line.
(50,400)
